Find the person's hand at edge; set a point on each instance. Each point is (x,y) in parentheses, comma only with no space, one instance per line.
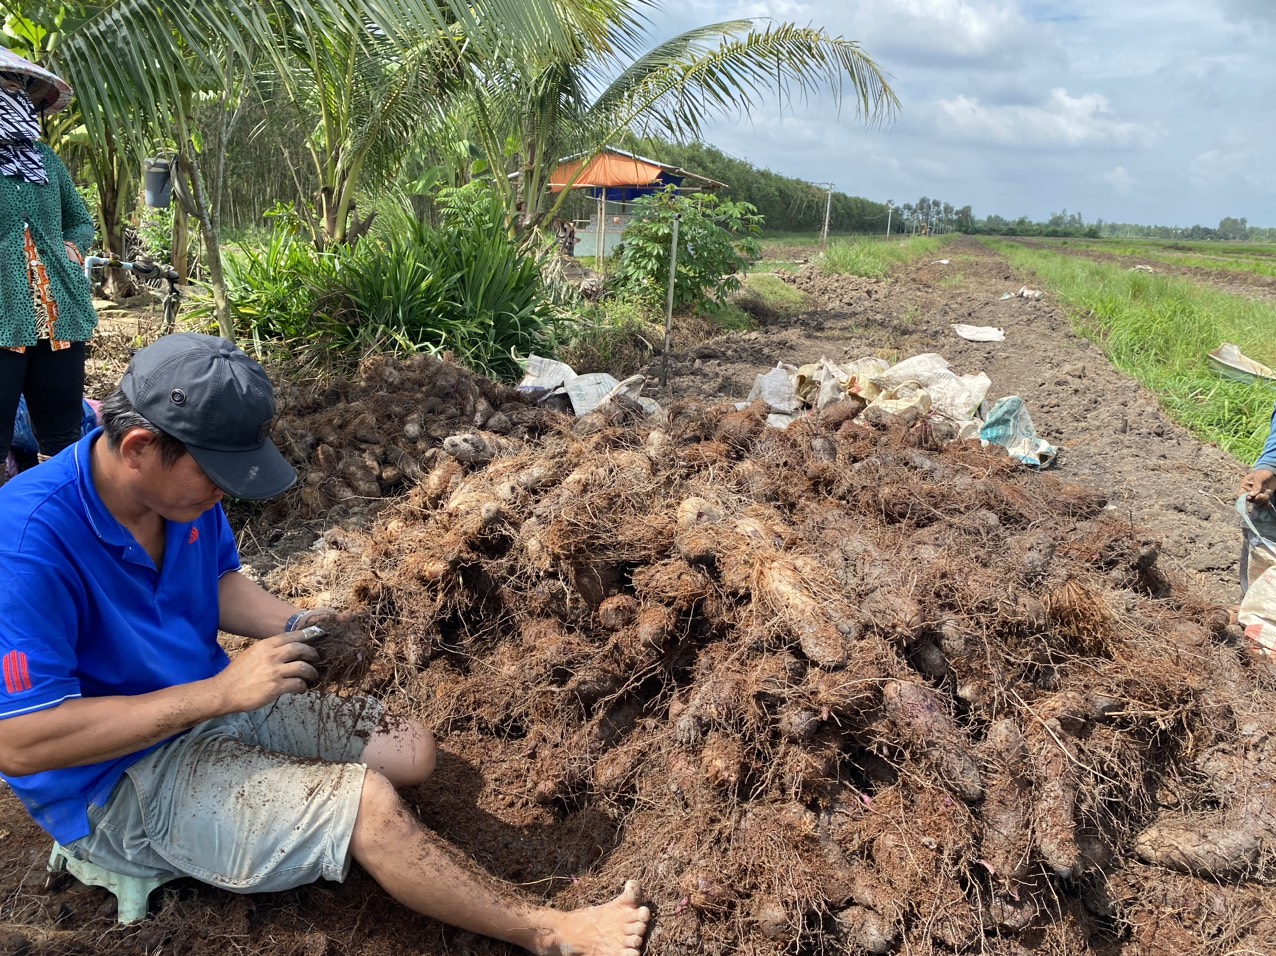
(1259,486)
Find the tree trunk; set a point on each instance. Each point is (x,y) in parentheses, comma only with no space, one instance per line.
(212,244)
(111,174)
(181,235)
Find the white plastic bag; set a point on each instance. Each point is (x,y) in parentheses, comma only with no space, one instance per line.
(1258,613)
(957,396)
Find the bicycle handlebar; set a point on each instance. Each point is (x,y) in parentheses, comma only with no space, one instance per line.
(144,270)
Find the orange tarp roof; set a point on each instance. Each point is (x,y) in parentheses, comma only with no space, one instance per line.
(605,170)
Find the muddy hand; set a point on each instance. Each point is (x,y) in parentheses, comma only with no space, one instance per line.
(265,671)
(1259,486)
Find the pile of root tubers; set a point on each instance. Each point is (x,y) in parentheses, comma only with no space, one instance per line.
(826,689)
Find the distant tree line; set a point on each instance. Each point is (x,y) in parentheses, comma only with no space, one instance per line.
(794,205)
(1229,228)
(786,204)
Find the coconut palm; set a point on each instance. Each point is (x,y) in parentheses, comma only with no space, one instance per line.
(139,66)
(579,99)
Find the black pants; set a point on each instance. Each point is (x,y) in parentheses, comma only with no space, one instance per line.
(53,383)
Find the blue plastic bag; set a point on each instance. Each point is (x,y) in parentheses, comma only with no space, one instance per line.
(1010,426)
(24,434)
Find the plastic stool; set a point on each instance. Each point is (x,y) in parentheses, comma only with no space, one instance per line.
(132,893)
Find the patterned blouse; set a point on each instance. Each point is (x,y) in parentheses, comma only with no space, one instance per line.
(44,295)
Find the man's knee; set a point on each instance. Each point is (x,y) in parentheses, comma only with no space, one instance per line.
(425,756)
(403,751)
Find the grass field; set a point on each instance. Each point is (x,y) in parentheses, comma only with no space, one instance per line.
(873,259)
(1159,329)
(1222,257)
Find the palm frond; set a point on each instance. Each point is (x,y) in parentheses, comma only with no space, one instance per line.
(132,61)
(679,85)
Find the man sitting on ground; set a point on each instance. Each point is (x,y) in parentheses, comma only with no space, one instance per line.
(132,738)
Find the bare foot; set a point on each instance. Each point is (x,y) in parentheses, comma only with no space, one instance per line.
(617,928)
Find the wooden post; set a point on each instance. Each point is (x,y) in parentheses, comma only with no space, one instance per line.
(828,208)
(602,233)
(673,276)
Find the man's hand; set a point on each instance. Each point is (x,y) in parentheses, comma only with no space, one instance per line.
(1259,486)
(73,253)
(265,671)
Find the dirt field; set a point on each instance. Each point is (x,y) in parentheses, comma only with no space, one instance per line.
(511,798)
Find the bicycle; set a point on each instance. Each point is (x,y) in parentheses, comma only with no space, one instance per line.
(144,270)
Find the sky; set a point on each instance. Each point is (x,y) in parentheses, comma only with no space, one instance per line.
(1145,111)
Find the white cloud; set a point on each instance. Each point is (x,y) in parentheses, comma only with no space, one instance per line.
(1191,77)
(1218,168)
(1063,120)
(1120,180)
(786,10)
(934,32)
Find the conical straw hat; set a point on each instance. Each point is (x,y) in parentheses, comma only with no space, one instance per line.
(49,92)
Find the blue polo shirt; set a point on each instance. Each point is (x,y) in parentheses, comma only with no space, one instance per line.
(1268,458)
(85,613)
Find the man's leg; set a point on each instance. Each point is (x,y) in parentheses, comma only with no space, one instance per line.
(426,874)
(401,750)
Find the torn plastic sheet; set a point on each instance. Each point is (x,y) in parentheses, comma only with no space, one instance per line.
(979,333)
(775,388)
(548,380)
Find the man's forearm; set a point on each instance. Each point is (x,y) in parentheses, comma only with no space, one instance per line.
(248,609)
(1267,460)
(90,730)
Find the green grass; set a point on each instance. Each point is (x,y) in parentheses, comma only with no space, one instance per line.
(776,265)
(1159,329)
(873,259)
(1200,255)
(770,298)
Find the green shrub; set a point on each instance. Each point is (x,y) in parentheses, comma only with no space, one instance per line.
(617,335)
(465,287)
(273,289)
(717,239)
(155,230)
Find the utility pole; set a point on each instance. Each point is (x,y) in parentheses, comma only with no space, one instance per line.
(890,208)
(828,208)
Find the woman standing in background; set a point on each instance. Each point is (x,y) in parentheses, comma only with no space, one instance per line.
(46,312)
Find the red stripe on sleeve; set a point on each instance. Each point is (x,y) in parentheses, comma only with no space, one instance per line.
(26,675)
(8,673)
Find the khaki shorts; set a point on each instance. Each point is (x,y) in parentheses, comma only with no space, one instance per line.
(254,802)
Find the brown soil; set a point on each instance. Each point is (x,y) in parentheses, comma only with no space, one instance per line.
(831,689)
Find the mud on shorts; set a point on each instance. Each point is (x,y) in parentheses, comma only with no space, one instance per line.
(253,802)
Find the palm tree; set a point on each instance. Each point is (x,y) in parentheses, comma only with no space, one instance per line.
(138,66)
(578,100)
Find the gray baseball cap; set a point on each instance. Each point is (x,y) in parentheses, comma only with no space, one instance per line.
(219,403)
